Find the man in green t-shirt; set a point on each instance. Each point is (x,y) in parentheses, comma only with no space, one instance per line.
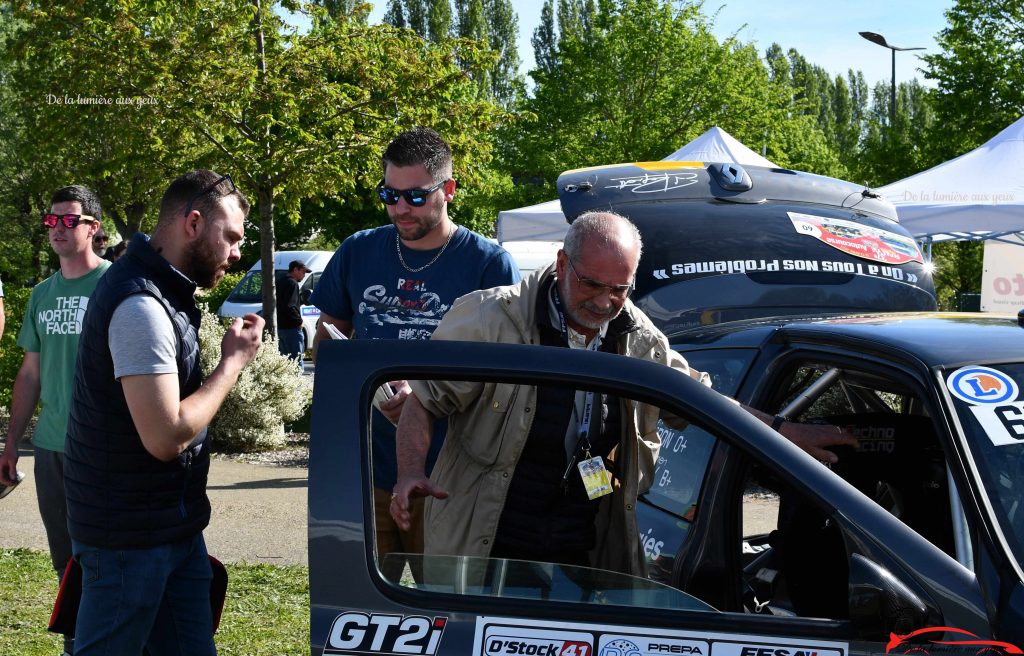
(49,336)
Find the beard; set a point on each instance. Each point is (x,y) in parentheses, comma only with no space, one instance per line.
(572,309)
(203,265)
(424,225)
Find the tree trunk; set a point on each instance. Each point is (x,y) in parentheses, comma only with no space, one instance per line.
(266,196)
(265,192)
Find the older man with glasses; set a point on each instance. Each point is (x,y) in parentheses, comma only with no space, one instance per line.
(547,512)
(50,335)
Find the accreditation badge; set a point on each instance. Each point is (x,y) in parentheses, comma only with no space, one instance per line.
(596,479)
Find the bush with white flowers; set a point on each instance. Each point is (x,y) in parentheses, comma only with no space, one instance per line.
(270,391)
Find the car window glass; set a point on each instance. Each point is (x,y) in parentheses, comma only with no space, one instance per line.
(666,511)
(899,462)
(725,366)
(544,527)
(509,530)
(250,288)
(990,407)
(309,284)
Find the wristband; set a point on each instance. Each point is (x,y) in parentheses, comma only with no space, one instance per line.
(777,422)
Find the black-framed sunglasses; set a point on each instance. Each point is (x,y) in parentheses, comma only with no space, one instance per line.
(596,287)
(70,221)
(100,239)
(415,197)
(221,179)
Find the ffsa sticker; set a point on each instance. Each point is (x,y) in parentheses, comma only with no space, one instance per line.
(981,386)
(857,239)
(383,633)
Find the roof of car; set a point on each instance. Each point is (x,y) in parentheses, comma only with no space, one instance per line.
(934,338)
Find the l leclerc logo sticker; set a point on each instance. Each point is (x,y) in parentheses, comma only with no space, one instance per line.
(981,385)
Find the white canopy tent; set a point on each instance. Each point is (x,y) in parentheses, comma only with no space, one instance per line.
(979,195)
(545,221)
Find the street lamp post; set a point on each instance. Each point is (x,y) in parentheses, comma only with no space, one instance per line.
(880,40)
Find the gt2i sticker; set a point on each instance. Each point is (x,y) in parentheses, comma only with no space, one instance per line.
(382,633)
(500,635)
(858,239)
(1004,424)
(981,386)
(520,641)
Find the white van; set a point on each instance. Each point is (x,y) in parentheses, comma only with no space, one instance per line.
(247,296)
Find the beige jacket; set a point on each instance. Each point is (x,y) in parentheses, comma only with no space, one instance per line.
(489,424)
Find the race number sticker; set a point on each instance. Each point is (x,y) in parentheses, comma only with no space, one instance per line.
(1004,424)
(981,386)
(857,239)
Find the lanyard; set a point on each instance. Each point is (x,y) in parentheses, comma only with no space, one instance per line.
(583,443)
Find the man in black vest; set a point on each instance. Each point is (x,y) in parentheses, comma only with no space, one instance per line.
(135,459)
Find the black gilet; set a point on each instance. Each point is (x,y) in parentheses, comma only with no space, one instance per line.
(119,496)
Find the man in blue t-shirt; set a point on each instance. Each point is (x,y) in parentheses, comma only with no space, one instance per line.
(397,282)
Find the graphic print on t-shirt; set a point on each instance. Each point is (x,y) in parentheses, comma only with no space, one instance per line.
(409,307)
(65,317)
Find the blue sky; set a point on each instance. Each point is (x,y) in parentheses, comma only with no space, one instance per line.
(824,31)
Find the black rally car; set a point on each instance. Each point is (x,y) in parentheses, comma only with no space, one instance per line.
(755,548)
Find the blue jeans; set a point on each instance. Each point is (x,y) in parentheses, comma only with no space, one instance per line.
(157,598)
(291,342)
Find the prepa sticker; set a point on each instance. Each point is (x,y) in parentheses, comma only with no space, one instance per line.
(981,386)
(641,645)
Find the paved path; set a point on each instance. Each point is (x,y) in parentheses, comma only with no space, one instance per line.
(259,513)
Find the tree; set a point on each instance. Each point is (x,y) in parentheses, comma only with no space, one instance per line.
(291,116)
(439,20)
(979,73)
(395,14)
(503,31)
(958,268)
(612,94)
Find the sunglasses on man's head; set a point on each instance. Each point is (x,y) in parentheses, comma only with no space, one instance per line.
(415,197)
(221,179)
(70,221)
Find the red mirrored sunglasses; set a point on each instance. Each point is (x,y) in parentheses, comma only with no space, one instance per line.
(70,221)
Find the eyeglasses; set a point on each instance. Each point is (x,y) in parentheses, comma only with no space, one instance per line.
(70,221)
(595,287)
(223,178)
(100,239)
(415,197)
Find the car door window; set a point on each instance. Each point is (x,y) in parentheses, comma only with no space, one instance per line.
(666,511)
(899,462)
(504,494)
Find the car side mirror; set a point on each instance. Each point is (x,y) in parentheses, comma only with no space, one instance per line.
(881,604)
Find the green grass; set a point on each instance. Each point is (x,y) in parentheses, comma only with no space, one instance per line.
(266,611)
